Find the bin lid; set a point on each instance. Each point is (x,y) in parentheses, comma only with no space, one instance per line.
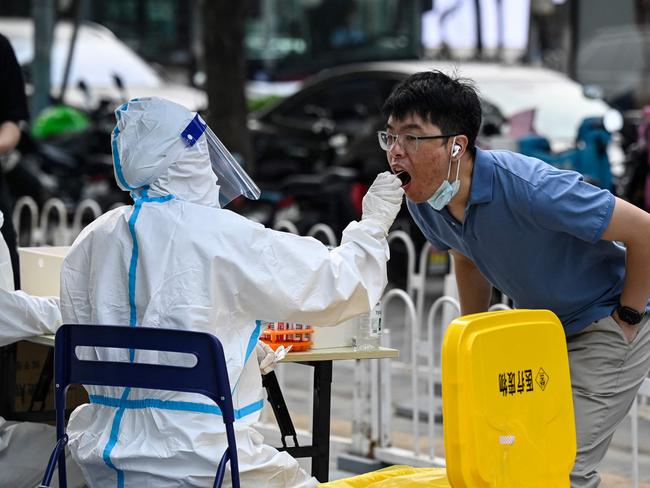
(507,402)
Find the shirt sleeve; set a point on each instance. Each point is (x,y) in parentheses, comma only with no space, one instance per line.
(564,202)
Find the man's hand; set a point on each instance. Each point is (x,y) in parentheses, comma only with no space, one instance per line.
(383,200)
(9,137)
(630,331)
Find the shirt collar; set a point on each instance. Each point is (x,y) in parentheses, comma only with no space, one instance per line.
(482,178)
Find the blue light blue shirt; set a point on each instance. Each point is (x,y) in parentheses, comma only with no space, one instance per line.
(535,233)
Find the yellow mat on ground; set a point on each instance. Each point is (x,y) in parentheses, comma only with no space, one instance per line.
(394,477)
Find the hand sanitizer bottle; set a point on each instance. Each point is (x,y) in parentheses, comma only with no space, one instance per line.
(368,330)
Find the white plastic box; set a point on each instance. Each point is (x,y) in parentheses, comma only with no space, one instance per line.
(339,335)
(40,269)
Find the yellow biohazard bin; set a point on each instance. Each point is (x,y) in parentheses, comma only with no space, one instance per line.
(507,407)
(507,403)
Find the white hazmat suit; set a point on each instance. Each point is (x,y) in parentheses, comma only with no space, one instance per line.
(25,446)
(22,315)
(175,259)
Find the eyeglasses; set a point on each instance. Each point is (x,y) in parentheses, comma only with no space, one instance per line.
(409,142)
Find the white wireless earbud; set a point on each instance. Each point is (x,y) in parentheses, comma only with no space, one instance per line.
(455,150)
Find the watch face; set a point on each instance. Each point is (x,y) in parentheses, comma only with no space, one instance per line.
(629,315)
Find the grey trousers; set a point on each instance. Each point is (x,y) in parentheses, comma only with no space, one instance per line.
(606,373)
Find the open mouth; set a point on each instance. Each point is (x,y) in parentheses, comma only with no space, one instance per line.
(404,177)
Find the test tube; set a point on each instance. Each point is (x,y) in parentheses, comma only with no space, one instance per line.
(281,326)
(298,336)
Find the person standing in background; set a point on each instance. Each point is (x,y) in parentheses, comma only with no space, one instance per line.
(13,110)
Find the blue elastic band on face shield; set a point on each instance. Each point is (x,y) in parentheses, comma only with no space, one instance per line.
(194,130)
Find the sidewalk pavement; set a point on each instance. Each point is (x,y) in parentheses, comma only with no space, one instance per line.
(615,472)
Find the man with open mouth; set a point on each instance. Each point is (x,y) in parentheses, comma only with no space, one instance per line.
(541,235)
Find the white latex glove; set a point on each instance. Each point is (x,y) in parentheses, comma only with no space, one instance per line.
(267,357)
(383,200)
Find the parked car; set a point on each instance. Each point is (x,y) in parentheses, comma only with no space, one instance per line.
(331,122)
(321,122)
(99,59)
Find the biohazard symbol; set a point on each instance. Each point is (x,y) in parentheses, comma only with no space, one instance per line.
(541,379)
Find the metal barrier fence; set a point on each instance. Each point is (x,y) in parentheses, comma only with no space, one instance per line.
(50,225)
(373,404)
(420,359)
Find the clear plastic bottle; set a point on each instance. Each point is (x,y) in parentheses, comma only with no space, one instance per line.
(368,330)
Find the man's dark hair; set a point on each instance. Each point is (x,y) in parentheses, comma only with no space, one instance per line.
(450,103)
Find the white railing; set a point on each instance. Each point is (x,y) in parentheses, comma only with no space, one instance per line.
(327,231)
(27,204)
(410,330)
(287,226)
(49,225)
(400,235)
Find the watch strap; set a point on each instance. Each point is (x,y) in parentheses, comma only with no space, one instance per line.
(629,315)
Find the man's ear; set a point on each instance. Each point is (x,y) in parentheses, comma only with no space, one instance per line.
(459,145)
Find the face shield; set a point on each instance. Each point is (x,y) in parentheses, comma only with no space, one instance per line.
(152,134)
(233,181)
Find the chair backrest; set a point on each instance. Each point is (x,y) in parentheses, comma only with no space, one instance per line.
(209,376)
(507,401)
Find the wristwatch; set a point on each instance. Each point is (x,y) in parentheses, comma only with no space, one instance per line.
(629,315)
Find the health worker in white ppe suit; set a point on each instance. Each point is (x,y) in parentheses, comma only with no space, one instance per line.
(25,446)
(22,315)
(177,259)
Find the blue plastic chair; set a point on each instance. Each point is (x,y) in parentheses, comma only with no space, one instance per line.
(209,377)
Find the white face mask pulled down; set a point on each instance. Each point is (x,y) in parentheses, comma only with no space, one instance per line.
(446,191)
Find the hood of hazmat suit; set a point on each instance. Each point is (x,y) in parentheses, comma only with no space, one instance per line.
(175,259)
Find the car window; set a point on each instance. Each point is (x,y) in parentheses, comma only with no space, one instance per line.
(346,103)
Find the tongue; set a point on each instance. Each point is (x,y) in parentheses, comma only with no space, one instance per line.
(404,177)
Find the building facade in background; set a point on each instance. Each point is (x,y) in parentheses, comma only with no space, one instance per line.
(602,44)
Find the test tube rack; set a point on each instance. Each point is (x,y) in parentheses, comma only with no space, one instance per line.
(286,334)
